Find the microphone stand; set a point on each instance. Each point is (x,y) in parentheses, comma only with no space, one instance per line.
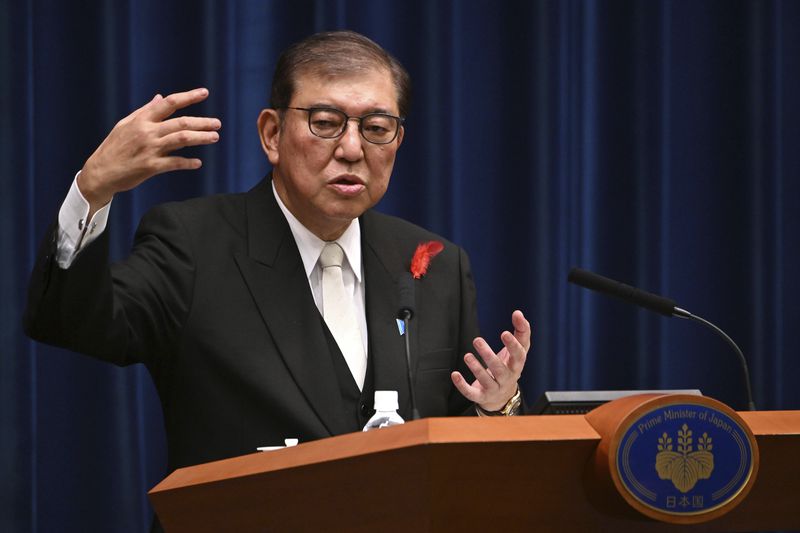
(686,315)
(406,316)
(656,303)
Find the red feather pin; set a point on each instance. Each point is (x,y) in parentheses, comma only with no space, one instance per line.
(422,257)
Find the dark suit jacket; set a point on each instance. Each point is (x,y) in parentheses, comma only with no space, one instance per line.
(215,301)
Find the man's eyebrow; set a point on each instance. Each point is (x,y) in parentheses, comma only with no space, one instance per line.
(328,105)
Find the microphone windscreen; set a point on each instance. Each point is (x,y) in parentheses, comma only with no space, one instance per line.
(599,283)
(405,292)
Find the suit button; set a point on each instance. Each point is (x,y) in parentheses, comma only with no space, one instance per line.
(364,409)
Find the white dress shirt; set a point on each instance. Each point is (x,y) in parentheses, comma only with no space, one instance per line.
(310,247)
(74,231)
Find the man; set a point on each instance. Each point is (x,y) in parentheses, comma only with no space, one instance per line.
(226,298)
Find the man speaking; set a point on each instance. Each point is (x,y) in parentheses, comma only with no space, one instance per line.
(272,313)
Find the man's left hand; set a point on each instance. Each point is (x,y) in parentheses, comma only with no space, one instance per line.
(495,384)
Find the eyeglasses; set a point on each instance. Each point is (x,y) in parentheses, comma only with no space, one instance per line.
(330,123)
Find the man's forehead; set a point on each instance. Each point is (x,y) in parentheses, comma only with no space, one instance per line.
(376,81)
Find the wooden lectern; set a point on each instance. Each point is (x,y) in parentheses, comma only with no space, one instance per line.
(456,474)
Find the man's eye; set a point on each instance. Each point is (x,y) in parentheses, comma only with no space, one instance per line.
(326,119)
(376,128)
(319,123)
(377,124)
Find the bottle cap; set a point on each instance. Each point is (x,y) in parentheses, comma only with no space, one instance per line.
(386,400)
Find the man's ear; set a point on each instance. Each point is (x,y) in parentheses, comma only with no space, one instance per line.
(400,136)
(269,130)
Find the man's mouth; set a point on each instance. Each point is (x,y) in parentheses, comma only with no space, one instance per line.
(347,185)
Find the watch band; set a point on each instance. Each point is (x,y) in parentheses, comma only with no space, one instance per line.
(511,408)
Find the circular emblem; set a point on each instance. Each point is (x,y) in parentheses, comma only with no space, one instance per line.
(684,459)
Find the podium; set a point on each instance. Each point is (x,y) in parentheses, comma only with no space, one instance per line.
(527,473)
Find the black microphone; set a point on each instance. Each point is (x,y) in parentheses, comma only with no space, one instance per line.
(656,303)
(406,310)
(405,291)
(648,300)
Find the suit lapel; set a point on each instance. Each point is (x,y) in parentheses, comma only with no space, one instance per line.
(382,266)
(273,271)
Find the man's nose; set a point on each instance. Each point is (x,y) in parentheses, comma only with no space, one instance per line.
(350,145)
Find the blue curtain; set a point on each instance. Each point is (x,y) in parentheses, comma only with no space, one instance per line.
(654,142)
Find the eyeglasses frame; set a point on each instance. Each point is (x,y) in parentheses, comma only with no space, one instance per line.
(347,119)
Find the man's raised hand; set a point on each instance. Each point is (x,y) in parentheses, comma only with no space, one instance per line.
(497,383)
(141,144)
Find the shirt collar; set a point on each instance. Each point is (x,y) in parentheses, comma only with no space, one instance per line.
(310,246)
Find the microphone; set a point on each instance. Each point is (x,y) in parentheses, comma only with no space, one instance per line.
(405,291)
(406,310)
(659,304)
(626,293)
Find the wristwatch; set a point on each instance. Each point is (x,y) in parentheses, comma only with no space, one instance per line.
(511,408)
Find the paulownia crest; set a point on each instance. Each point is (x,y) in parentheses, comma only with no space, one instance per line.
(684,467)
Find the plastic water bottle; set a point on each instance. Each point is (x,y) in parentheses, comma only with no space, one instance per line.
(385,411)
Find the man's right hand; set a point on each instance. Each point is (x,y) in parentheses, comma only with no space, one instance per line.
(141,144)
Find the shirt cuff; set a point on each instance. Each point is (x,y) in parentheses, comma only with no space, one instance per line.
(74,231)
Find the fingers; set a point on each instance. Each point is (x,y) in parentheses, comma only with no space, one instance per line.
(522,329)
(511,360)
(516,344)
(184,138)
(485,391)
(168,164)
(139,111)
(494,384)
(189,123)
(470,392)
(515,352)
(140,146)
(180,132)
(160,108)
(495,370)
(508,364)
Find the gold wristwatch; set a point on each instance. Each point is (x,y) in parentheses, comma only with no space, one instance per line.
(511,408)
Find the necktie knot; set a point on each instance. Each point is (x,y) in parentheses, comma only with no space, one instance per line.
(332,255)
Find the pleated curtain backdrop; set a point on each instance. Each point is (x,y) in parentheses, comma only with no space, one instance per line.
(655,142)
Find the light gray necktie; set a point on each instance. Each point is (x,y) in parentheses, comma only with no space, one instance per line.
(340,313)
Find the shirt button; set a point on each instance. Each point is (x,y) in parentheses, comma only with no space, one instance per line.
(364,409)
